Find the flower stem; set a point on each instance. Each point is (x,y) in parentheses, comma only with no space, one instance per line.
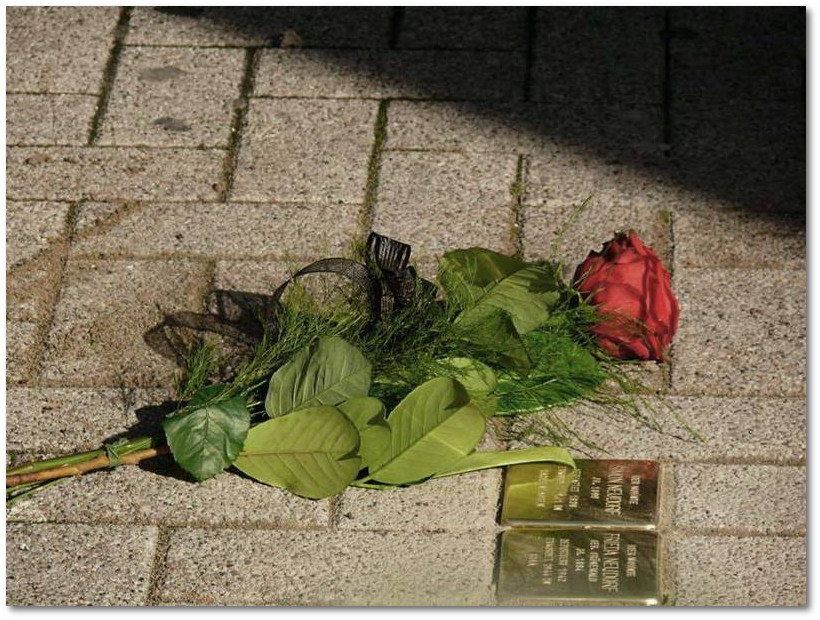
(70,459)
(126,453)
(15,494)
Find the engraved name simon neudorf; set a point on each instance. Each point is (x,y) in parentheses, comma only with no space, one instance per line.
(615,488)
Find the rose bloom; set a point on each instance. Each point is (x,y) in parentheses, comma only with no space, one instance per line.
(632,291)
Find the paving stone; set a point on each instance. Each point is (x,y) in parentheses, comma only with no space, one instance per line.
(254,26)
(329,568)
(313,151)
(465,201)
(577,233)
(108,565)
(173,97)
(729,571)
(723,238)
(776,186)
(31,288)
(569,177)
(253,276)
(159,492)
(264,277)
(760,498)
(771,429)
(759,36)
(751,155)
(39,120)
(456,126)
(723,55)
(199,230)
(389,74)
(62,420)
(21,340)
(607,130)
(322,73)
(725,84)
(31,227)
(613,54)
(459,503)
(42,51)
(742,331)
(105,308)
(749,131)
(463,27)
(66,173)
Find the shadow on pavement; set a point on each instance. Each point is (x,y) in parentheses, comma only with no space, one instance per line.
(707,103)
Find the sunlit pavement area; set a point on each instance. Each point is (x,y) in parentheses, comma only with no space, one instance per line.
(155,156)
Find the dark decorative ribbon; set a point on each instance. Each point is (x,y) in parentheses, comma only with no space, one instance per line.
(241,317)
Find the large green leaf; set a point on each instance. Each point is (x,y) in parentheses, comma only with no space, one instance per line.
(206,437)
(526,295)
(367,415)
(478,379)
(434,427)
(466,274)
(488,460)
(328,372)
(310,452)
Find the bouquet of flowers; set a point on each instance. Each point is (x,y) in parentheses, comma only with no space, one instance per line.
(394,382)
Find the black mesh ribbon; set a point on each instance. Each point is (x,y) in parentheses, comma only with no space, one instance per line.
(241,317)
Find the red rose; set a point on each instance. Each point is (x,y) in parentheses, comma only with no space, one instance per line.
(629,286)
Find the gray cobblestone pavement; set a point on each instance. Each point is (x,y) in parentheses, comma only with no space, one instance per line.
(154,156)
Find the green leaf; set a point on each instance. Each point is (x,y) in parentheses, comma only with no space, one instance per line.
(434,427)
(465,274)
(478,379)
(328,372)
(310,452)
(367,415)
(488,460)
(526,295)
(207,436)
(363,411)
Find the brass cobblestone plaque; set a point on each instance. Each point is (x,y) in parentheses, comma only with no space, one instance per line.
(578,566)
(616,494)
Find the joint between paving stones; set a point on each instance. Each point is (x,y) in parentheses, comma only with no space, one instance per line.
(666,95)
(733,532)
(158,567)
(190,256)
(105,147)
(124,210)
(517,191)
(238,122)
(210,282)
(374,167)
(334,512)
(408,98)
(774,462)
(38,358)
(529,58)
(319,48)
(110,74)
(192,524)
(52,93)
